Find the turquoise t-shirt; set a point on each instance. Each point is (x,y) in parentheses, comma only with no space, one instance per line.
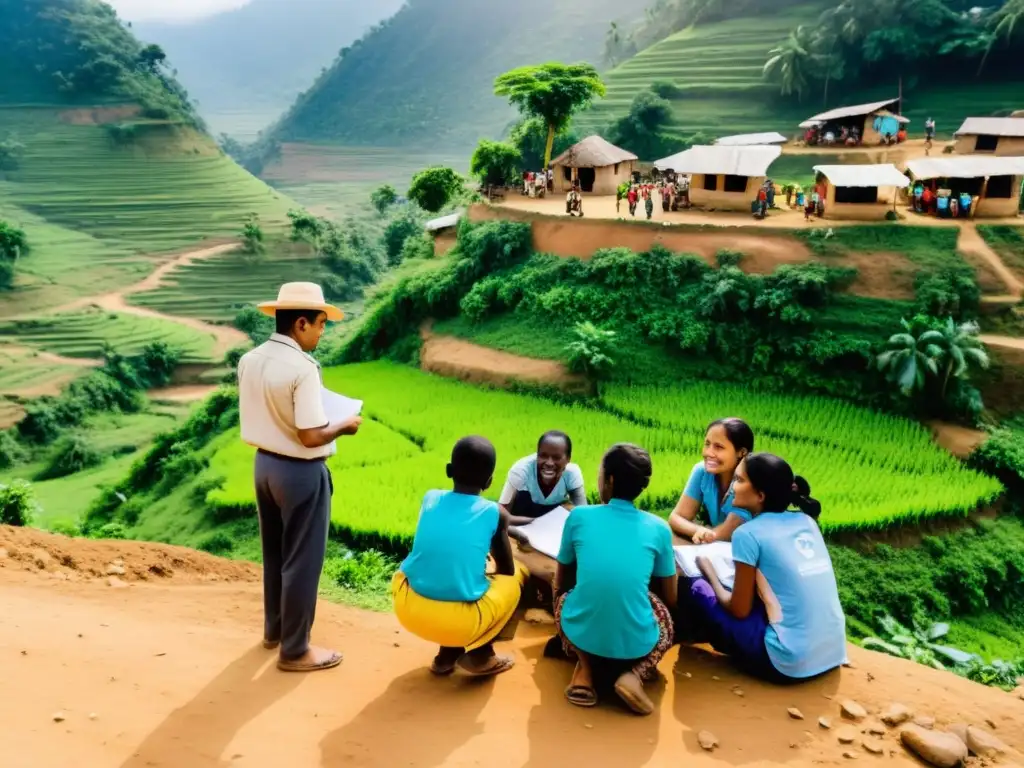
(703,487)
(448,561)
(617,549)
(787,548)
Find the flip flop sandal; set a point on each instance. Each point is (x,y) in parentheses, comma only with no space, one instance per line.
(634,702)
(293,666)
(581,696)
(499,665)
(441,671)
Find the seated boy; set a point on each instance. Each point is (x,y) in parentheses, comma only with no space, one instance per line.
(442,592)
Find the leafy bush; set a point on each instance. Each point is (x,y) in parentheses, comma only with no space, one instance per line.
(998,673)
(419,246)
(666,89)
(254,324)
(916,644)
(948,292)
(113,531)
(396,233)
(590,351)
(252,235)
(383,197)
(728,258)
(18,505)
(72,454)
(217,543)
(1002,455)
(495,163)
(156,364)
(69,528)
(432,188)
(368,570)
(12,452)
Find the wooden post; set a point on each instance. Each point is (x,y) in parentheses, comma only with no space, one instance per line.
(984,193)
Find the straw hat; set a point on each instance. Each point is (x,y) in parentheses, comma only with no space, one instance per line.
(301,296)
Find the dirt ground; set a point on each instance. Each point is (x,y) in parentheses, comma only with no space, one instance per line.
(99,115)
(170,673)
(958,440)
(184,393)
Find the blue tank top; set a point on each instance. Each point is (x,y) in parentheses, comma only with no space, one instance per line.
(448,561)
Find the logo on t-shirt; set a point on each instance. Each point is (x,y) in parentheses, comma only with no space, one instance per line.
(815,565)
(805,546)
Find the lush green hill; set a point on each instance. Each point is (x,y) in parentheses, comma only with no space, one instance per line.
(716,70)
(246,66)
(425,77)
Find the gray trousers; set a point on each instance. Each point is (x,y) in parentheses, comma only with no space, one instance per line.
(294,502)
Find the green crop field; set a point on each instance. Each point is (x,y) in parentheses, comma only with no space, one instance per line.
(24,370)
(718,67)
(214,289)
(165,189)
(83,334)
(869,470)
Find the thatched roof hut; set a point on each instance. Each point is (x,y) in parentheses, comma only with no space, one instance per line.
(598,165)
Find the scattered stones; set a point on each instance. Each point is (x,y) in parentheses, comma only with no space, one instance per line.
(795,713)
(925,721)
(847,734)
(115,570)
(93,716)
(853,711)
(113,581)
(59,717)
(874,747)
(538,616)
(738,692)
(118,561)
(850,755)
(588,725)
(984,744)
(824,722)
(896,714)
(716,678)
(943,750)
(707,740)
(875,728)
(794,745)
(960,731)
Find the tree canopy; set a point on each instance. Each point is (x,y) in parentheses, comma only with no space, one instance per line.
(553,92)
(495,162)
(433,188)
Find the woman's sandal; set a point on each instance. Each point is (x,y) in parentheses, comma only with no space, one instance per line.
(581,695)
(633,696)
(442,670)
(496,666)
(328,661)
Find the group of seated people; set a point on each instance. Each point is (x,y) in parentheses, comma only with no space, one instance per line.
(619,599)
(944,203)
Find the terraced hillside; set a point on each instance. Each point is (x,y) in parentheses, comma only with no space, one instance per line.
(717,68)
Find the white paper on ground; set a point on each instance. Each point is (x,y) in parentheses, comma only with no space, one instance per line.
(718,552)
(338,407)
(545,533)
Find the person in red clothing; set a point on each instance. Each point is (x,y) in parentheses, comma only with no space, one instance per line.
(762,201)
(632,197)
(928,199)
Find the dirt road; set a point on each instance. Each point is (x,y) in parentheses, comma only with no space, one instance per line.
(173,676)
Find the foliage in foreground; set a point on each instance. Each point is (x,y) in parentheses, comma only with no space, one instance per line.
(17,504)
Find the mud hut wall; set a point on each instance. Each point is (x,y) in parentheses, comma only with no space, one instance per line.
(1008,146)
(859,211)
(718,198)
(1001,207)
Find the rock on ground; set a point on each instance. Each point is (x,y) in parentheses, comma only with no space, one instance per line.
(795,713)
(984,744)
(853,711)
(875,747)
(943,750)
(825,723)
(896,714)
(847,734)
(925,721)
(707,740)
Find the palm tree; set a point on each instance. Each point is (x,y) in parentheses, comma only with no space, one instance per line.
(960,348)
(909,360)
(789,62)
(1004,23)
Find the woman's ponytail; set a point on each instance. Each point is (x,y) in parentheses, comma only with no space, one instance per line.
(802,499)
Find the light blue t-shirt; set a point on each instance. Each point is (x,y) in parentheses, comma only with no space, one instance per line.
(787,548)
(617,549)
(448,561)
(523,477)
(703,487)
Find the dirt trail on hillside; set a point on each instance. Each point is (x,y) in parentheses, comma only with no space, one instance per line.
(971,242)
(162,674)
(958,440)
(1008,342)
(226,336)
(185,393)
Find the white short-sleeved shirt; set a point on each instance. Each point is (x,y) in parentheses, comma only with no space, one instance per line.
(279,393)
(523,477)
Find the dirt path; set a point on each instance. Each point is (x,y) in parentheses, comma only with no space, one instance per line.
(958,440)
(971,242)
(161,674)
(1008,342)
(226,336)
(186,393)
(459,359)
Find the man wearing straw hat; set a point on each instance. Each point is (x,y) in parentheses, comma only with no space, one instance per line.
(282,414)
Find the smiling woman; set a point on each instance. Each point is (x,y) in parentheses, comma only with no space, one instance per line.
(539,483)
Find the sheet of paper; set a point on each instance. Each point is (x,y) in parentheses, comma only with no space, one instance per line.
(338,407)
(545,533)
(720,555)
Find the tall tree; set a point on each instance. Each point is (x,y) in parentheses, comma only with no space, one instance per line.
(553,92)
(790,62)
(960,350)
(1003,24)
(908,359)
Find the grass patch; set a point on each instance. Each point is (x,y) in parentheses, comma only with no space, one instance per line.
(928,247)
(83,334)
(1008,242)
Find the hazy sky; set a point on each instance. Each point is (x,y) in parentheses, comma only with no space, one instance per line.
(171,10)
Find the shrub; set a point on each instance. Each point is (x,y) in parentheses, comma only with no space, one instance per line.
(396,233)
(18,505)
(217,543)
(419,246)
(383,198)
(72,454)
(11,451)
(666,89)
(495,163)
(254,323)
(111,531)
(948,292)
(69,528)
(252,235)
(369,570)
(589,352)
(433,188)
(1002,455)
(727,258)
(40,424)
(157,362)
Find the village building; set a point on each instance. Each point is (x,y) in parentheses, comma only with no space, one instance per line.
(994,181)
(990,135)
(861,192)
(444,230)
(723,177)
(751,139)
(873,122)
(598,165)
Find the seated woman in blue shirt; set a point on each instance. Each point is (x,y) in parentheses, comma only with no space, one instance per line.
(611,558)
(539,483)
(442,592)
(796,630)
(726,443)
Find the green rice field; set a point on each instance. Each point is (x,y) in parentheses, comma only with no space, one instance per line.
(165,189)
(719,67)
(214,289)
(869,470)
(83,334)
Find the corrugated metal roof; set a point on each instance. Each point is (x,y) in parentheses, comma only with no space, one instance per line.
(738,161)
(992,126)
(751,139)
(444,222)
(965,166)
(881,175)
(854,111)
(593,152)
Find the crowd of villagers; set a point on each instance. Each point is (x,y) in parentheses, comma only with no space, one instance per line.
(619,599)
